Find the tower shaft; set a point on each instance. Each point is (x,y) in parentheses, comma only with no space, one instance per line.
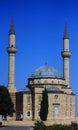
(66,55)
(11,71)
(11,59)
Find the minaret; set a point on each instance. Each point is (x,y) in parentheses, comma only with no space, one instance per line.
(11,49)
(66,55)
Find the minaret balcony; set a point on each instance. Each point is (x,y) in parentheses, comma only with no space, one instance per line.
(11,49)
(65,54)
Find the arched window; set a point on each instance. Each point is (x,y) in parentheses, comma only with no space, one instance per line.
(28,113)
(39,99)
(67,113)
(56,109)
(38,113)
(28,99)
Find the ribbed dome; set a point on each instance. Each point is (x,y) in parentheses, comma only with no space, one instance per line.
(45,71)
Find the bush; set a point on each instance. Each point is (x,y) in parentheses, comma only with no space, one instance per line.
(39,125)
(0,123)
(74,126)
(62,127)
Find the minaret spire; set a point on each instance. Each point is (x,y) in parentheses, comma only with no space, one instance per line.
(66,36)
(11,49)
(66,55)
(12,30)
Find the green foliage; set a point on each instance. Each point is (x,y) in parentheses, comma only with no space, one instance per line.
(62,127)
(74,126)
(44,106)
(58,127)
(39,125)
(6,105)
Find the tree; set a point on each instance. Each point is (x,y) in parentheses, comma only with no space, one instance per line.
(6,105)
(44,106)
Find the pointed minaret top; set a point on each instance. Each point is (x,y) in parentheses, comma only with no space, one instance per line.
(46,63)
(66,36)
(12,31)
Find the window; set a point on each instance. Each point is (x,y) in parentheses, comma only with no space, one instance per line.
(12,46)
(52,81)
(28,113)
(38,113)
(39,99)
(28,99)
(38,81)
(58,82)
(70,100)
(70,113)
(56,109)
(45,81)
(56,96)
(66,113)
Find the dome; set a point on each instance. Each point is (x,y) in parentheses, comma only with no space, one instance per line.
(54,89)
(45,71)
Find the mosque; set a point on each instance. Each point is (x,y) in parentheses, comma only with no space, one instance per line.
(27,103)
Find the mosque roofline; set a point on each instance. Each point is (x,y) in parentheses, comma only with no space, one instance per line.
(58,92)
(26,92)
(46,78)
(72,94)
(64,87)
(40,85)
(23,91)
(33,85)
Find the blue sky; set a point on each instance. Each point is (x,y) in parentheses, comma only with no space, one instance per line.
(39,27)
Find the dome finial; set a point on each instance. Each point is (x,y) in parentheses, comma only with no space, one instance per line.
(46,63)
(66,36)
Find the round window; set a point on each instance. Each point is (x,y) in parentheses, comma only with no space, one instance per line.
(56,96)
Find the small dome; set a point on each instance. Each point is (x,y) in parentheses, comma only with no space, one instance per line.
(45,71)
(53,88)
(27,90)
